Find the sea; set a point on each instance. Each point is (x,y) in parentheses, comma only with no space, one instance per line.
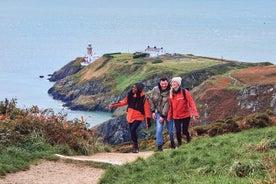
(39,37)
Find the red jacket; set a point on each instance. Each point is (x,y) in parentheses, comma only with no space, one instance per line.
(181,108)
(133,114)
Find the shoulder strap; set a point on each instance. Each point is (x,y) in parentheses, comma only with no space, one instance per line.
(184,93)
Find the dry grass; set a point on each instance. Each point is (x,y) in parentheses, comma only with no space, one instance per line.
(90,72)
(260,75)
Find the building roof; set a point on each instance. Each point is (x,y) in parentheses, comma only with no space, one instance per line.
(153,49)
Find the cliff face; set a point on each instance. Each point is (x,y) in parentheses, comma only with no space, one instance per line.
(219,90)
(116,131)
(69,69)
(237,94)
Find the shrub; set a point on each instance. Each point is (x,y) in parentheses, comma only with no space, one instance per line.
(139,62)
(8,108)
(257,120)
(200,130)
(232,126)
(269,112)
(33,124)
(156,61)
(140,55)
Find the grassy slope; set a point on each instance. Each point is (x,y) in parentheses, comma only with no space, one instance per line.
(250,154)
(119,71)
(122,70)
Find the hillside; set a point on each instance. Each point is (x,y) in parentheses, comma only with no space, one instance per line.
(237,93)
(108,79)
(244,157)
(221,88)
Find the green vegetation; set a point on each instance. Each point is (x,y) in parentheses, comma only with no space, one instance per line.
(122,69)
(28,135)
(244,157)
(103,63)
(215,155)
(156,61)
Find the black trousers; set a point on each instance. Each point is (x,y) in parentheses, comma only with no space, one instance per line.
(182,125)
(133,131)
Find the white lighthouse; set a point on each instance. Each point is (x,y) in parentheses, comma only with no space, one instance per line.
(89,53)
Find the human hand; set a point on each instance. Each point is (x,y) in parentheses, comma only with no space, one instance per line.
(153,115)
(110,106)
(196,117)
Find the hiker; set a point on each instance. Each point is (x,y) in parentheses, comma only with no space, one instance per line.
(181,106)
(159,104)
(138,110)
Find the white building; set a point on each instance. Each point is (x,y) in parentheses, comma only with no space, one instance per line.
(90,56)
(154,51)
(89,53)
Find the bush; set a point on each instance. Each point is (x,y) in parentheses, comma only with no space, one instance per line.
(201,130)
(257,120)
(33,124)
(269,112)
(232,126)
(156,61)
(139,62)
(8,108)
(140,55)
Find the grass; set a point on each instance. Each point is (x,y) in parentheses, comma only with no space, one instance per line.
(122,70)
(28,135)
(26,152)
(131,72)
(229,158)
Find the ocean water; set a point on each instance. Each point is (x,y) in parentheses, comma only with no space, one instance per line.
(39,37)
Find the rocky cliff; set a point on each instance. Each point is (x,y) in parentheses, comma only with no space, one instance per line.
(218,87)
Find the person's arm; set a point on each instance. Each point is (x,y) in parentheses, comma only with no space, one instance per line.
(169,117)
(147,113)
(192,104)
(152,104)
(119,104)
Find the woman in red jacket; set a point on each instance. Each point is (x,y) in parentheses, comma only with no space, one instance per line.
(181,105)
(138,110)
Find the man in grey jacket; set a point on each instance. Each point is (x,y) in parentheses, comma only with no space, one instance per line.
(159,104)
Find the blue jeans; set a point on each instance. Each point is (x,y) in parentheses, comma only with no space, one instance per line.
(159,130)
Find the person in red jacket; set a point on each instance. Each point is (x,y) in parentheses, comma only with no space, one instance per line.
(181,106)
(138,110)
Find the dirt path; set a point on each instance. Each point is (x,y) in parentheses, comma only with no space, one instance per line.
(56,172)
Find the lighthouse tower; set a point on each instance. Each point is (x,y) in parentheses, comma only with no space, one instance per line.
(89,53)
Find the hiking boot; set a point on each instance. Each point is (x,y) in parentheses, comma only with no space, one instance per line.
(135,148)
(188,139)
(172,145)
(159,148)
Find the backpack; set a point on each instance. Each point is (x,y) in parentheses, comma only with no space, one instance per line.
(184,93)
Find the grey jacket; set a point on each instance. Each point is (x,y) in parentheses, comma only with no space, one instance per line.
(159,100)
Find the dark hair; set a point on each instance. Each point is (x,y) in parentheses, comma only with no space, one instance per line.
(140,86)
(164,79)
